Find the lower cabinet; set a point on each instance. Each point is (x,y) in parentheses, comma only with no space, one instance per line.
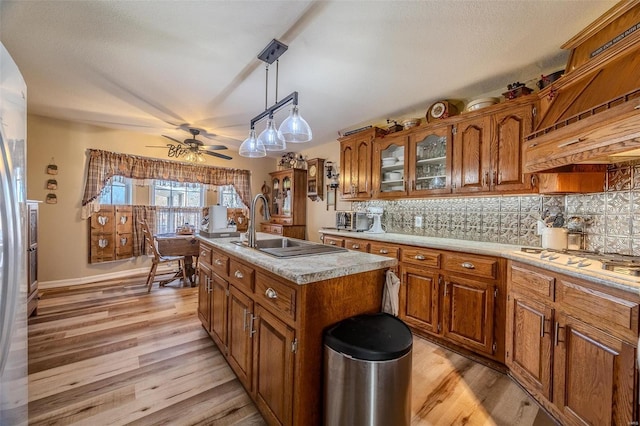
(219,310)
(240,329)
(204,295)
(420,307)
(572,344)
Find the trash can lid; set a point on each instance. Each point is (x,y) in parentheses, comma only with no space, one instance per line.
(372,337)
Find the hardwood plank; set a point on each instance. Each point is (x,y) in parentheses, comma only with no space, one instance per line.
(109,353)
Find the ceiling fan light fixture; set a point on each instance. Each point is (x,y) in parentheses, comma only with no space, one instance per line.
(294,128)
(252,147)
(271,137)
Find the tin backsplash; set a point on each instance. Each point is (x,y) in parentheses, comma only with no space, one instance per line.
(614,218)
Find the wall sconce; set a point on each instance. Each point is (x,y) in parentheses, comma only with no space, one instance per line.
(294,128)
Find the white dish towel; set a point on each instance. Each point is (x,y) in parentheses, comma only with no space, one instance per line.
(390,302)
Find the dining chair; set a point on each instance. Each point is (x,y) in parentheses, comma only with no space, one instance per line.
(158,259)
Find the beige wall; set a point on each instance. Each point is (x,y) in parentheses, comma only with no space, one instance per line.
(63,236)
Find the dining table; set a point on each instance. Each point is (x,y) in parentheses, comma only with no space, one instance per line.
(187,245)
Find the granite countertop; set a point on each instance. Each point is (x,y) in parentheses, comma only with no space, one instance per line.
(513,252)
(303,269)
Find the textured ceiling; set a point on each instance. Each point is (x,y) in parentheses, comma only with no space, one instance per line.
(152,66)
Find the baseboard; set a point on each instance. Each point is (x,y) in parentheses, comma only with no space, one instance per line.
(101,277)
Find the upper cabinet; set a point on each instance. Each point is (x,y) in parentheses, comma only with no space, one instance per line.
(429,161)
(389,166)
(355,165)
(488,150)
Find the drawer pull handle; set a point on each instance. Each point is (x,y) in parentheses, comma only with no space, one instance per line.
(384,251)
(332,243)
(218,262)
(238,275)
(542,326)
(637,107)
(468,265)
(355,246)
(419,257)
(244,319)
(271,293)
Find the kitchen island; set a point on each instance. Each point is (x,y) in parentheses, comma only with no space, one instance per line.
(267,315)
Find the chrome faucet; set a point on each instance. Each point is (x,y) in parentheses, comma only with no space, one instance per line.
(252,220)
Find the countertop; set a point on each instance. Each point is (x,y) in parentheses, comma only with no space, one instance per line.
(303,269)
(508,251)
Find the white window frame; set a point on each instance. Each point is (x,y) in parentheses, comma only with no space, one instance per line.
(127,183)
(229,191)
(168,216)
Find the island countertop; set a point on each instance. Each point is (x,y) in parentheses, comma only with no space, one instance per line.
(303,269)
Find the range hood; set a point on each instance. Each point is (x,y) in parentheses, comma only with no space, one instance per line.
(591,115)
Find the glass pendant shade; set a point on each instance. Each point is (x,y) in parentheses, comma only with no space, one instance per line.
(252,147)
(294,128)
(271,138)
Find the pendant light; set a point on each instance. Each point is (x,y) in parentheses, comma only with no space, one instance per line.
(252,147)
(293,129)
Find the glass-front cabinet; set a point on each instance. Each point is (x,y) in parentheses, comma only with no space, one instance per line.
(429,164)
(287,201)
(389,171)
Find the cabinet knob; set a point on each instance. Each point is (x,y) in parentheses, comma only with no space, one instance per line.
(468,265)
(637,107)
(218,262)
(355,246)
(419,257)
(271,293)
(238,275)
(384,251)
(332,243)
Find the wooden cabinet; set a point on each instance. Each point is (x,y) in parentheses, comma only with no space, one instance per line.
(356,244)
(32,258)
(270,330)
(333,240)
(111,234)
(389,171)
(429,161)
(453,296)
(355,165)
(291,231)
(573,345)
(471,155)
(288,204)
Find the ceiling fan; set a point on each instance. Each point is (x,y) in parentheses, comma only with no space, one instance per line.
(191,149)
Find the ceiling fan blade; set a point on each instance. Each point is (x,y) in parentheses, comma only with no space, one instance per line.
(173,139)
(222,139)
(156,146)
(215,154)
(213,147)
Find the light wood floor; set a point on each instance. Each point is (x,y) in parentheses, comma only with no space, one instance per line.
(108,353)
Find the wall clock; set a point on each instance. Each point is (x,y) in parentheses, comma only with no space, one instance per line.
(440,110)
(315,179)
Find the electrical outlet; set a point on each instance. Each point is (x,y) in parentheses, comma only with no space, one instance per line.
(418,222)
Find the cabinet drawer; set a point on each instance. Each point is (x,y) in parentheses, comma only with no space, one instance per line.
(357,245)
(599,308)
(334,241)
(536,283)
(384,250)
(205,253)
(276,296)
(469,264)
(271,229)
(220,263)
(420,256)
(241,275)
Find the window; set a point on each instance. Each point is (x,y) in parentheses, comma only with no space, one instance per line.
(117,191)
(178,203)
(229,197)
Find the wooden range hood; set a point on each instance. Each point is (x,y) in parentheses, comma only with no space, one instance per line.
(591,115)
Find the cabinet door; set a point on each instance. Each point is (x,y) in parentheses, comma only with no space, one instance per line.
(204,296)
(219,297)
(389,171)
(510,128)
(468,313)
(471,155)
(594,375)
(419,298)
(240,335)
(528,344)
(273,368)
(429,164)
(355,166)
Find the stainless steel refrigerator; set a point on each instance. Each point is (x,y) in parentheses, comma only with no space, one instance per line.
(13,271)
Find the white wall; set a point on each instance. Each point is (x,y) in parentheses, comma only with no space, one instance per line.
(63,235)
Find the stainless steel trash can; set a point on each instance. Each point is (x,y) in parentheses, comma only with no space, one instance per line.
(367,372)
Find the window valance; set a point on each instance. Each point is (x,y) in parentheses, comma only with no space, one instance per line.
(105,164)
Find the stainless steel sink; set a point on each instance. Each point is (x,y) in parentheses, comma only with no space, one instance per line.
(288,247)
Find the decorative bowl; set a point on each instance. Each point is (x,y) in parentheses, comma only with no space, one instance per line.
(477,104)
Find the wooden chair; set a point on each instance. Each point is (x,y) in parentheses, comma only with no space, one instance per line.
(158,259)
